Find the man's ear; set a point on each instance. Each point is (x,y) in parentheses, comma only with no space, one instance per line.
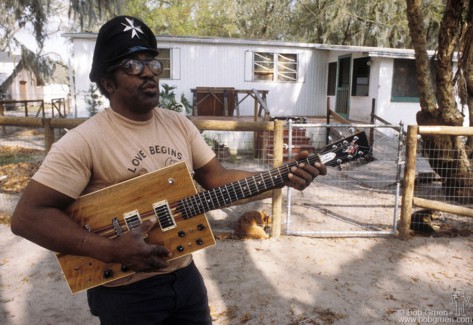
(108,84)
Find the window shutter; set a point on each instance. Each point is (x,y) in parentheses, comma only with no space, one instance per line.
(248,66)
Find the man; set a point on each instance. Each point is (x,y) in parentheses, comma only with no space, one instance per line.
(103,151)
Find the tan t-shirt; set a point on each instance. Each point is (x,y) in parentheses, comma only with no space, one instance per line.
(108,149)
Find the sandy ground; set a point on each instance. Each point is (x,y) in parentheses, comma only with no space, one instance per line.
(290,280)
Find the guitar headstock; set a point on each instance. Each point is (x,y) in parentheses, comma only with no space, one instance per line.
(348,149)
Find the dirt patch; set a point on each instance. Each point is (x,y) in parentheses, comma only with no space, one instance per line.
(15,177)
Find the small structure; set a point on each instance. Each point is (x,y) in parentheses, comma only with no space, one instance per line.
(18,83)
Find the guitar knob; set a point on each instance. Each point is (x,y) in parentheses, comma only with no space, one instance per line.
(200,227)
(107,273)
(199,241)
(124,268)
(181,233)
(180,248)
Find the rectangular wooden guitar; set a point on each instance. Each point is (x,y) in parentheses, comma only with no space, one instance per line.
(169,195)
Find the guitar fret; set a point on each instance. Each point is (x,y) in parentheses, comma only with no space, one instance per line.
(218,196)
(281,179)
(195,206)
(254,185)
(270,178)
(209,200)
(242,192)
(226,195)
(214,196)
(248,186)
(187,213)
(202,203)
(190,207)
(235,195)
(262,181)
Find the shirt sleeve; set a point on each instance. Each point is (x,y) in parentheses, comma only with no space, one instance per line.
(68,165)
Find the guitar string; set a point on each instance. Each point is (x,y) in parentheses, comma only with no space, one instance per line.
(181,212)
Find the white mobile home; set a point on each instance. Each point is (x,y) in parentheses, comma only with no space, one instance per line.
(300,78)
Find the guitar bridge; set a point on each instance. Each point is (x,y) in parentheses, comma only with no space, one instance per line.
(164,215)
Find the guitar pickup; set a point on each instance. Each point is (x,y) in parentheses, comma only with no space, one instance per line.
(132,219)
(164,215)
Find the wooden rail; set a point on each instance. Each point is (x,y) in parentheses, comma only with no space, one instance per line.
(49,124)
(25,102)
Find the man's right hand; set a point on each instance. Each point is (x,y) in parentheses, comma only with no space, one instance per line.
(136,254)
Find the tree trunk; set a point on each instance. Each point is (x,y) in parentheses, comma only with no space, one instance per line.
(447,155)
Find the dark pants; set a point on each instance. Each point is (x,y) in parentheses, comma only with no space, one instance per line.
(176,298)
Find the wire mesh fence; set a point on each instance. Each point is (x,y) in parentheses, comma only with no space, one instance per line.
(356,197)
(443,176)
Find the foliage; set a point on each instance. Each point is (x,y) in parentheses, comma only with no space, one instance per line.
(345,22)
(89,13)
(363,23)
(379,23)
(93,99)
(167,100)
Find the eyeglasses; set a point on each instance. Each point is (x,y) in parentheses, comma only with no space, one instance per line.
(134,67)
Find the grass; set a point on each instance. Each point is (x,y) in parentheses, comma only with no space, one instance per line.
(14,155)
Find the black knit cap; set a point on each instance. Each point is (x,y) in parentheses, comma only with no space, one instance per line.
(117,38)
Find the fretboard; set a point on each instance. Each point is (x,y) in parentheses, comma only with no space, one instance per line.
(242,189)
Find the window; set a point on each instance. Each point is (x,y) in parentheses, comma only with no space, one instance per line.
(361,77)
(404,87)
(275,67)
(263,66)
(332,78)
(165,57)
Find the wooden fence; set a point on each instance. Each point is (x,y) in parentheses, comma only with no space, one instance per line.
(50,124)
(277,126)
(6,103)
(408,198)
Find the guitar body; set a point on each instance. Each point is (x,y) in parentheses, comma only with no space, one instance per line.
(96,211)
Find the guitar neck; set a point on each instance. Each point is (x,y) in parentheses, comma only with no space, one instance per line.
(242,189)
(334,154)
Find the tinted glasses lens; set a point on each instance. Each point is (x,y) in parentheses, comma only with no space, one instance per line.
(155,66)
(132,67)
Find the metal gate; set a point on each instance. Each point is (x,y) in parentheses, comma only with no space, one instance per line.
(357,198)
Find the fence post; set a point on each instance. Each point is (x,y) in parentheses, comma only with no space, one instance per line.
(373,112)
(2,113)
(277,193)
(327,135)
(48,134)
(409,179)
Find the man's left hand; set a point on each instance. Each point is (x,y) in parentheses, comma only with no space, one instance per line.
(301,176)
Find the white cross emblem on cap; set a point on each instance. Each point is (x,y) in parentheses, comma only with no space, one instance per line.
(134,29)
